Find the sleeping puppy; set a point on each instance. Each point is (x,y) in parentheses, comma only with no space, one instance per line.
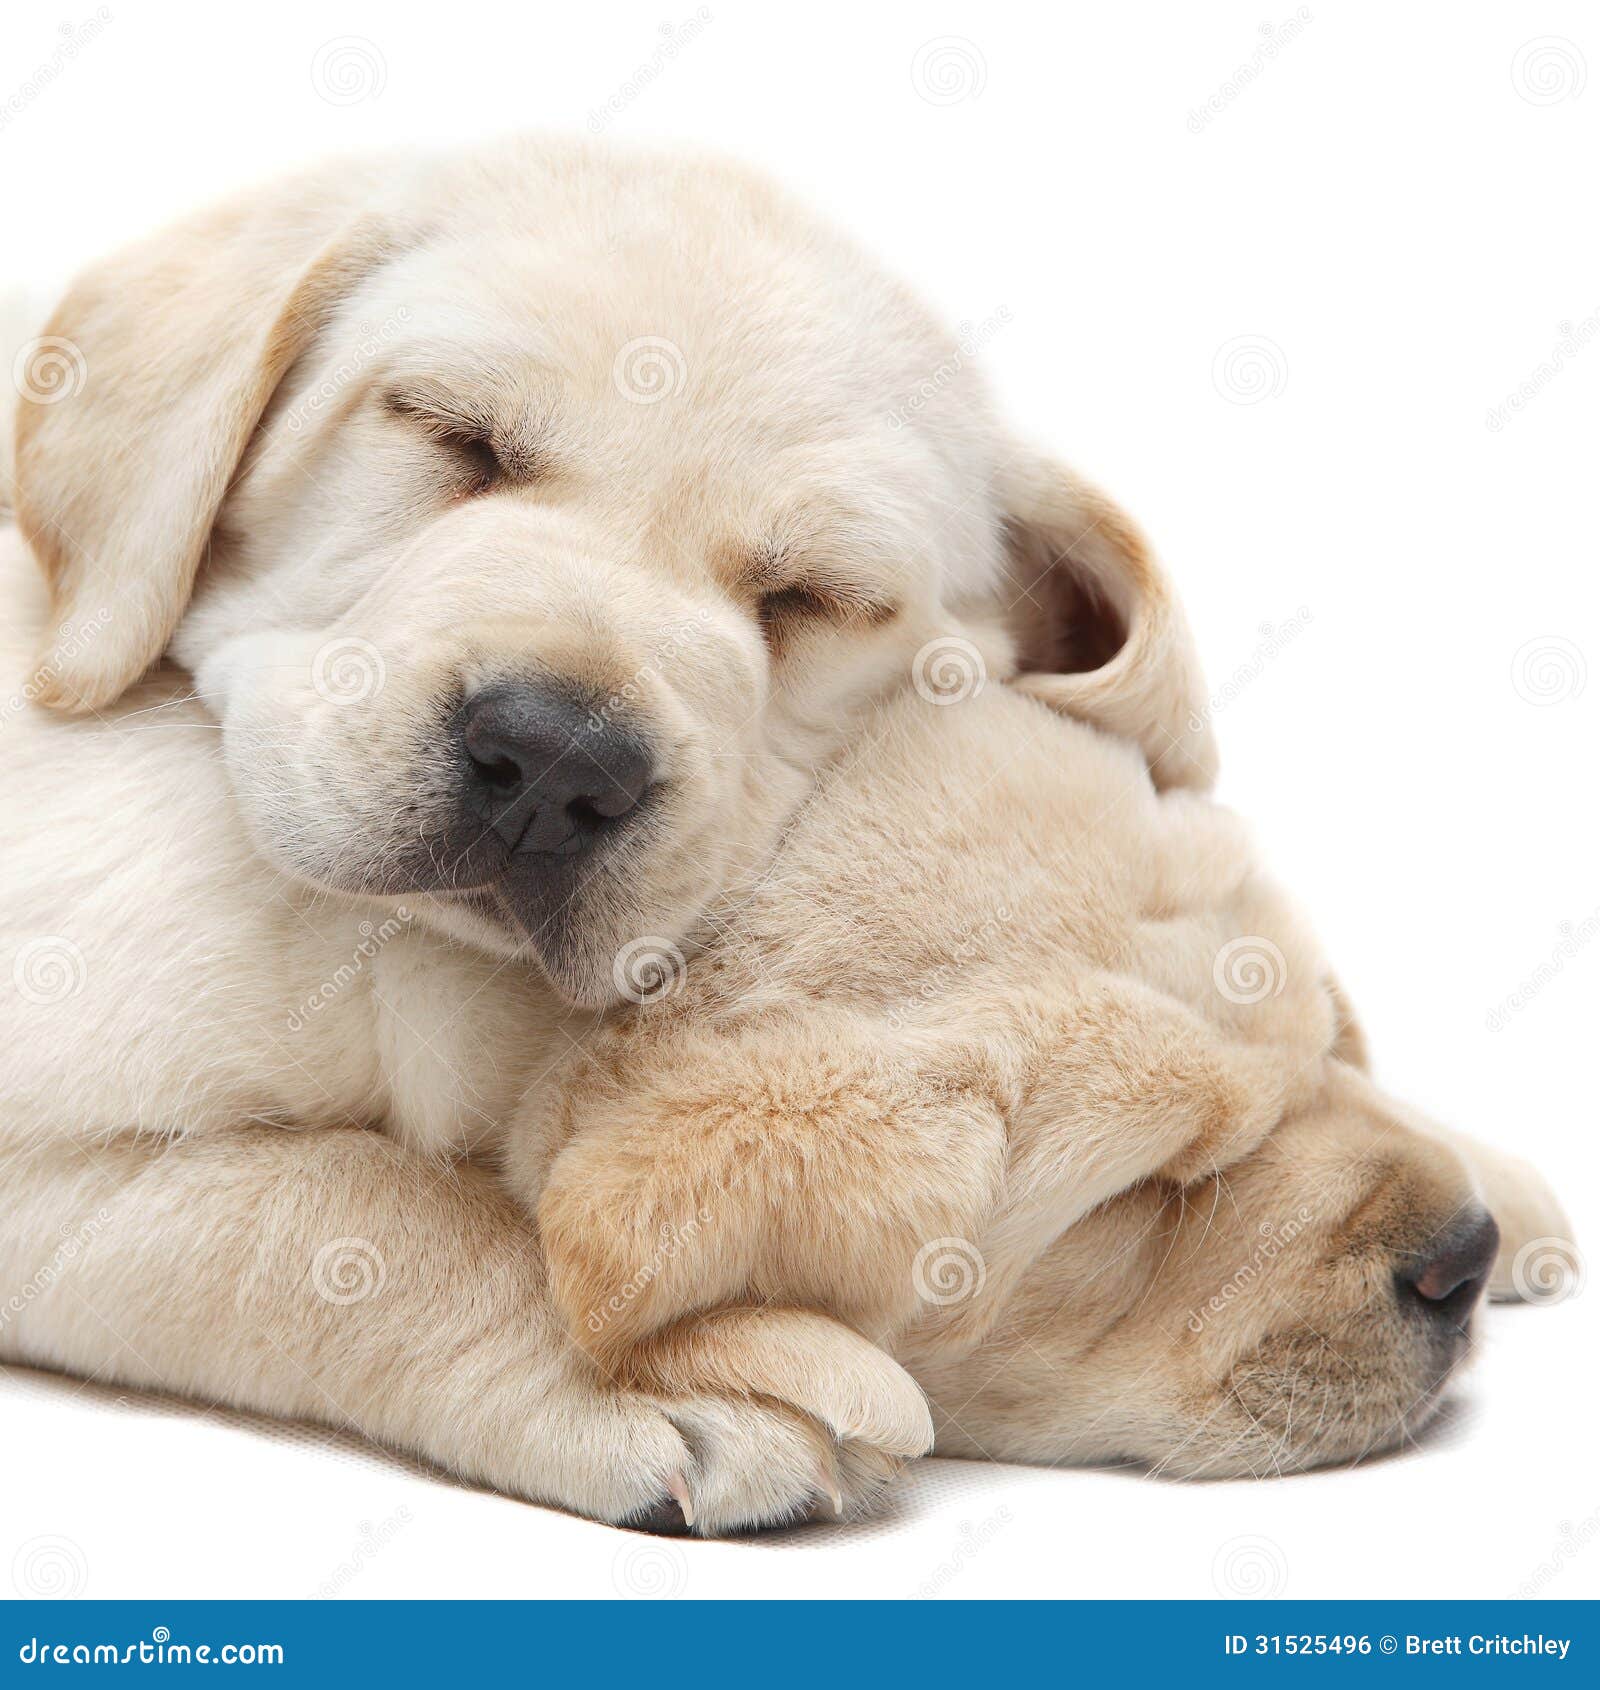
(995,983)
(233,1104)
(434,583)
(533,522)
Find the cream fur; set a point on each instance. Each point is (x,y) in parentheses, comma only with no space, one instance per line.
(1029,986)
(241,1057)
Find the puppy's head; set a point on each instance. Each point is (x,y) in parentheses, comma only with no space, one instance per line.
(1307,1305)
(535,525)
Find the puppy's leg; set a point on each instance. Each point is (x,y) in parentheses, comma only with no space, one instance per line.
(812,1362)
(326,1276)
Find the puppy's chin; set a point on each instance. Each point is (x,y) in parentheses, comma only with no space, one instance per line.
(590,957)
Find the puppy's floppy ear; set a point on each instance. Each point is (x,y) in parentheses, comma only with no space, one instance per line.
(1099,631)
(177,346)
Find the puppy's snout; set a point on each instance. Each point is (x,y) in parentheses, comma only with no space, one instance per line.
(1448,1277)
(546,775)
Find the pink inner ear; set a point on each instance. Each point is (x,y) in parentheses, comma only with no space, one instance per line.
(1064,626)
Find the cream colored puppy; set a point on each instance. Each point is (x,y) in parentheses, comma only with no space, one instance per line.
(533,523)
(994,979)
(357,455)
(195,1201)
(436,580)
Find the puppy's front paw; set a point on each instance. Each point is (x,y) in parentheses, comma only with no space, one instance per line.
(756,1464)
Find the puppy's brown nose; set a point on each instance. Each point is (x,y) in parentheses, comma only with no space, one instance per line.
(544,774)
(1449,1275)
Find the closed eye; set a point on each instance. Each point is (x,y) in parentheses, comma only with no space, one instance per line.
(785,610)
(468,441)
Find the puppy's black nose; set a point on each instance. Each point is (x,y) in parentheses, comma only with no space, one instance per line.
(1448,1277)
(545,774)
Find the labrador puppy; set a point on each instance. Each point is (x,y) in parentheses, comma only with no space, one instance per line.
(364,506)
(994,980)
(434,583)
(533,523)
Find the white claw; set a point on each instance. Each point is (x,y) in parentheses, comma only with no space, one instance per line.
(678,1490)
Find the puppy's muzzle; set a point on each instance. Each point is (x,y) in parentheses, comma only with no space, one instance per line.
(545,776)
(1446,1281)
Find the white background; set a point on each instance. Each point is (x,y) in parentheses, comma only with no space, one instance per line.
(1275,314)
